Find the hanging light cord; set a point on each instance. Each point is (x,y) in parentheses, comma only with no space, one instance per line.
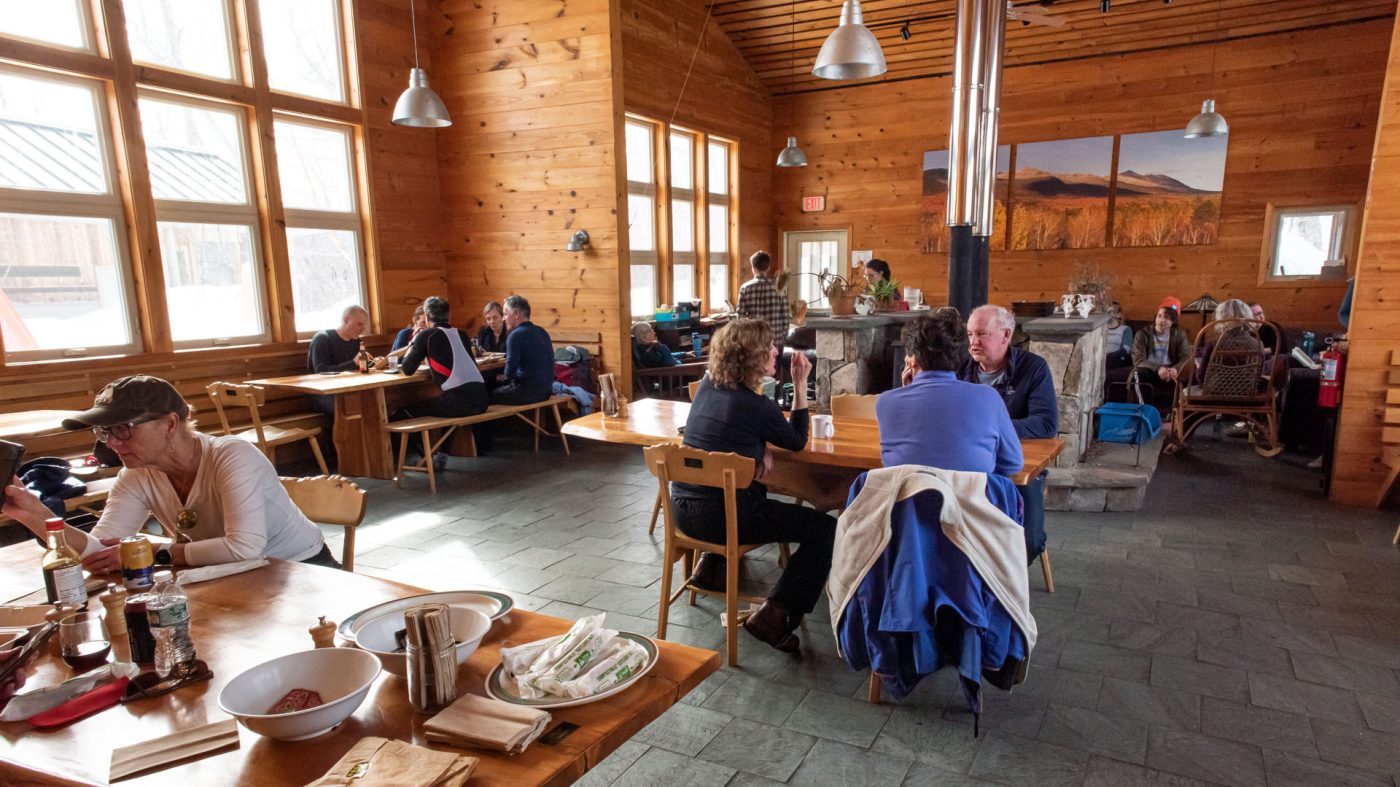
(413,20)
(709,8)
(1215,48)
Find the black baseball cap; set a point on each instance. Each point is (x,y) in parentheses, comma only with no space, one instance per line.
(130,398)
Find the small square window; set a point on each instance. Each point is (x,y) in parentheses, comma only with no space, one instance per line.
(1308,242)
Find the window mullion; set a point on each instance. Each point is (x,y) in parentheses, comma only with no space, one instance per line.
(133,184)
(661,174)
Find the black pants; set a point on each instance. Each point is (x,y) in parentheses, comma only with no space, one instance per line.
(464,400)
(1033,505)
(764,521)
(323,558)
(517,392)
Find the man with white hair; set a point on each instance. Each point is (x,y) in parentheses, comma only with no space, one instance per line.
(334,350)
(1028,391)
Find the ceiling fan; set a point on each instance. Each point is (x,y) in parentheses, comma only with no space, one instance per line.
(1034,13)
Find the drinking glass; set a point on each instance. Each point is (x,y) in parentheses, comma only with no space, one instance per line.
(83,641)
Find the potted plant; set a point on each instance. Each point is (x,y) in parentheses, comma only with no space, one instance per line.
(883,292)
(839,292)
(1092,280)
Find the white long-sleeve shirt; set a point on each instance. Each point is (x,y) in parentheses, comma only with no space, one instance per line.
(243,511)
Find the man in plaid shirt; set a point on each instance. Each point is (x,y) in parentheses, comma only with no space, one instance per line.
(758,299)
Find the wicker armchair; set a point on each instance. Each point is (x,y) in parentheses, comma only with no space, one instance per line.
(1236,380)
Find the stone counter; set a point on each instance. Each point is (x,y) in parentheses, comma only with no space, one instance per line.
(855,354)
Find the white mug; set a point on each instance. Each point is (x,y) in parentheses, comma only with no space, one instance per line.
(822,427)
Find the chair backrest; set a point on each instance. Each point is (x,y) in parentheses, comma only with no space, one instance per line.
(691,388)
(854,406)
(681,464)
(330,500)
(235,395)
(1235,361)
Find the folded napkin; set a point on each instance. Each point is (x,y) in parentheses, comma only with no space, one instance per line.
(24,705)
(487,724)
(175,747)
(189,576)
(380,762)
(81,706)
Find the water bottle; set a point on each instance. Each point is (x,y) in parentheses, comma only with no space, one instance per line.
(169,616)
(1308,339)
(695,343)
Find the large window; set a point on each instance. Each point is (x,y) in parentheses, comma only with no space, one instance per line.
(178,202)
(1308,242)
(64,289)
(680,189)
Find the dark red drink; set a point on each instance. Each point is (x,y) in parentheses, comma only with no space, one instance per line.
(85,656)
(138,629)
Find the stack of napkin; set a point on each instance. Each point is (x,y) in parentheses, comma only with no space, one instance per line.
(380,762)
(486,723)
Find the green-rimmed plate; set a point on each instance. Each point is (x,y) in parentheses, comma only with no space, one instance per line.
(497,686)
(488,602)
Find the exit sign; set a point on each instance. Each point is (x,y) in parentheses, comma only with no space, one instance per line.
(813,204)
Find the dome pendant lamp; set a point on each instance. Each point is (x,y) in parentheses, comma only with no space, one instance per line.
(851,51)
(419,106)
(792,155)
(1209,123)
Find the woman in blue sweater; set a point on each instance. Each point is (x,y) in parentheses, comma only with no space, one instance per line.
(727,416)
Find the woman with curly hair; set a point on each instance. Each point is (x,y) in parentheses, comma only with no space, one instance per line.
(728,416)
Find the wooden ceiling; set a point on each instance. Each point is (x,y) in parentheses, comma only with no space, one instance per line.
(780,39)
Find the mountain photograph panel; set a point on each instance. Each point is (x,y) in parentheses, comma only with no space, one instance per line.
(1168,189)
(933,205)
(1060,194)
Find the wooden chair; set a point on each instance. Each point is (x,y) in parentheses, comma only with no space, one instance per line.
(690,389)
(731,473)
(1237,381)
(265,436)
(330,500)
(854,406)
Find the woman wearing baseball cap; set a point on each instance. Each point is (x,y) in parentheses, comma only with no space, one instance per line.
(218,497)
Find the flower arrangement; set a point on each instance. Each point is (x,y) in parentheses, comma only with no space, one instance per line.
(1089,278)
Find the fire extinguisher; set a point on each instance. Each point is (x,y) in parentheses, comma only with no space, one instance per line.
(1334,363)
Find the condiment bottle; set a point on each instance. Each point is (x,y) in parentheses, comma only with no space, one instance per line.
(63,568)
(323,632)
(114,601)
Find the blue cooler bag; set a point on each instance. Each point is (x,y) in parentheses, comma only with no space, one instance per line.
(1133,424)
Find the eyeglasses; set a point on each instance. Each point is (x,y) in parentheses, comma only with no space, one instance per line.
(120,431)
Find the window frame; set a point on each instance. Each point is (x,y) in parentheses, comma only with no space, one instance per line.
(650,258)
(1345,244)
(238,72)
(89,46)
(319,219)
(108,63)
(78,204)
(664,194)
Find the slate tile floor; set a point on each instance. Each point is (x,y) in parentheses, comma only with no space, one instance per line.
(1238,630)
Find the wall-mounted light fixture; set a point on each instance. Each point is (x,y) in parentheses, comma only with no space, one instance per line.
(578,242)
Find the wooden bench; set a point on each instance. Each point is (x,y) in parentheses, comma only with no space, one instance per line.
(529,413)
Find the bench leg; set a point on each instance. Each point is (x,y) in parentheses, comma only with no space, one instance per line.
(316,449)
(536,422)
(559,422)
(403,459)
(428,462)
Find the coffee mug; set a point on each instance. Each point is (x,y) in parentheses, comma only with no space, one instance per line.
(822,427)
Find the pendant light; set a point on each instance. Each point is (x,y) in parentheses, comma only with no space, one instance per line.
(1209,123)
(851,51)
(792,155)
(419,106)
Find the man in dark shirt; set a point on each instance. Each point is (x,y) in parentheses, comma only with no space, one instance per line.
(529,372)
(334,350)
(1023,379)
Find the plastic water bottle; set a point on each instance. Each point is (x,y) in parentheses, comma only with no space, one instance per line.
(169,616)
(695,343)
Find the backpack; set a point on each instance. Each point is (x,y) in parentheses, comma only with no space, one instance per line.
(574,366)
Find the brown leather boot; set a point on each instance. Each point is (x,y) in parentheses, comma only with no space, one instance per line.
(709,572)
(771,624)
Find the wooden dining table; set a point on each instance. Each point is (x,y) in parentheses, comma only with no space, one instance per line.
(819,473)
(363,402)
(243,620)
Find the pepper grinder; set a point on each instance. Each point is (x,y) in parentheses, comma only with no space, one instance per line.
(323,632)
(114,601)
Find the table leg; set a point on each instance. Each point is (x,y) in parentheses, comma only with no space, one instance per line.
(361,440)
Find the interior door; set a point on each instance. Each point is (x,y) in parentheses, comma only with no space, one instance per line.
(809,253)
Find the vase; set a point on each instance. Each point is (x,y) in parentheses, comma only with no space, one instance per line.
(1085,305)
(1067,305)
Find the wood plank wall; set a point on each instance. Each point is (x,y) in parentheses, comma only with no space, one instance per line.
(530,158)
(1358,471)
(1302,111)
(723,96)
(404,197)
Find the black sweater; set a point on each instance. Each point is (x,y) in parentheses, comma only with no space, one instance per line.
(743,422)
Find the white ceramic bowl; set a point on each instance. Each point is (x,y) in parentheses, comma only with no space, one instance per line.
(377,636)
(342,676)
